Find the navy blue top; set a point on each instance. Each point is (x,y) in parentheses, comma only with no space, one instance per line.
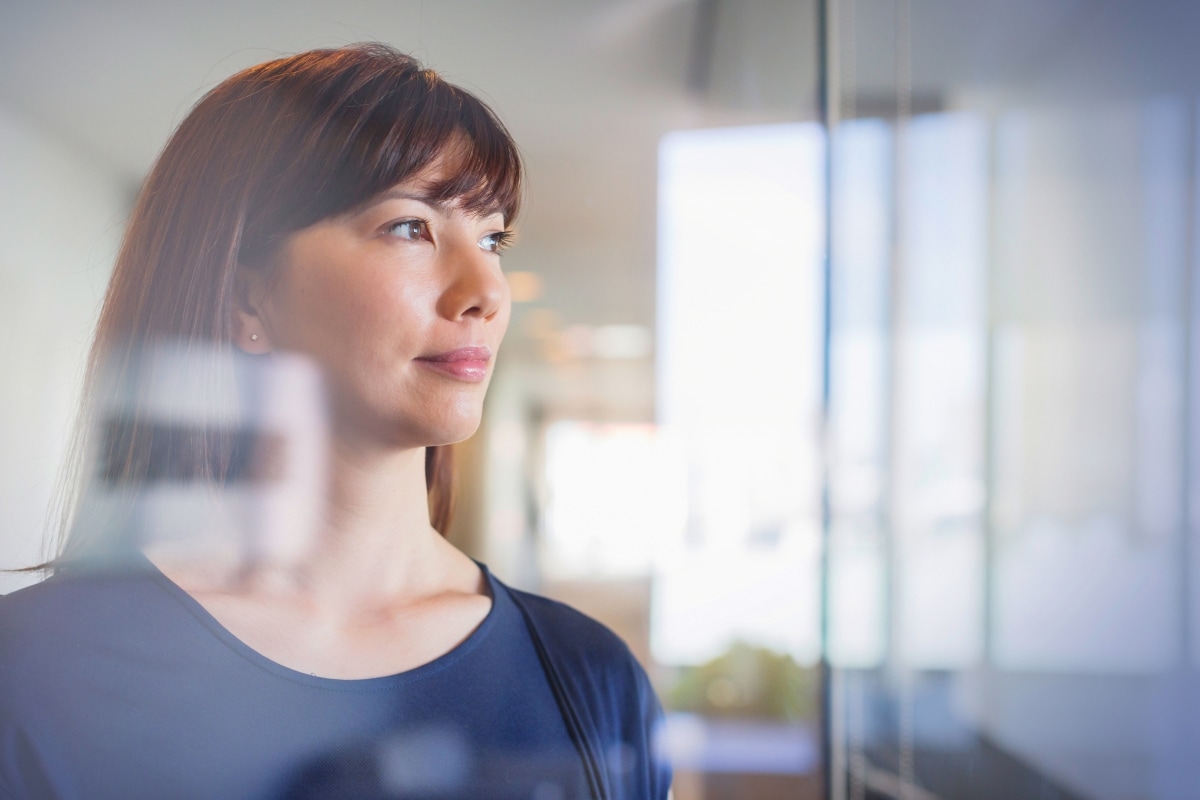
(123,686)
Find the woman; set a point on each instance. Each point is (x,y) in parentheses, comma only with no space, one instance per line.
(348,207)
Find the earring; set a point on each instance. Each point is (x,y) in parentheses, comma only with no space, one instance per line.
(254,337)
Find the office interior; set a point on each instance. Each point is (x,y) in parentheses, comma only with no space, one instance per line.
(853,370)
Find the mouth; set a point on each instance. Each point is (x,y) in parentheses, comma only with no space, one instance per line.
(465,364)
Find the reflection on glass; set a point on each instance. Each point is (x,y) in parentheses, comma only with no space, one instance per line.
(1013,382)
(268,423)
(1087,534)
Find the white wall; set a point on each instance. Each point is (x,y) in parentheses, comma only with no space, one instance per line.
(61,216)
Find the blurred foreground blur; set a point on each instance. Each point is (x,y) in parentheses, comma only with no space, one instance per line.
(204,456)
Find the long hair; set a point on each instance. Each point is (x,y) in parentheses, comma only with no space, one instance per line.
(270,151)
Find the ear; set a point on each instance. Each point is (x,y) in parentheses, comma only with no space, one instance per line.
(249,298)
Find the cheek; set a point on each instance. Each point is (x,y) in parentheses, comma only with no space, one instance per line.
(339,318)
(310,318)
(393,314)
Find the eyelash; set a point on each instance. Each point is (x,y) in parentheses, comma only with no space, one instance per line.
(501,239)
(424,224)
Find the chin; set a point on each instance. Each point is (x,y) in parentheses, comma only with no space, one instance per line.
(453,430)
(429,422)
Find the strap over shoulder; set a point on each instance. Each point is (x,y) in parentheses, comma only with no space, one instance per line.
(609,707)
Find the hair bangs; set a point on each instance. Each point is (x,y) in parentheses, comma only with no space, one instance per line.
(487,174)
(444,122)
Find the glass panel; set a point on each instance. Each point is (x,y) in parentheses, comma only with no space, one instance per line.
(858,424)
(1012,276)
(736,588)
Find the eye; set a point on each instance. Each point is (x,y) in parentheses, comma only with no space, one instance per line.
(411,229)
(495,242)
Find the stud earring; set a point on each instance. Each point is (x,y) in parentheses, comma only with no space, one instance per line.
(254,337)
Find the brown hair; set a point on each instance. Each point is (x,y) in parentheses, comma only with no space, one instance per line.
(269,151)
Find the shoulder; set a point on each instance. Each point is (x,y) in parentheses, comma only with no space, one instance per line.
(44,606)
(594,665)
(572,634)
(609,696)
(47,634)
(53,631)
(72,600)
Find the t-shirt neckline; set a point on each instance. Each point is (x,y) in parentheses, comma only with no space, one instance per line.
(257,659)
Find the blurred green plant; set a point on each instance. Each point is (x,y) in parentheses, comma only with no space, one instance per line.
(747,682)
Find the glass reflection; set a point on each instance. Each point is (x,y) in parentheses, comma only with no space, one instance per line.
(1012,247)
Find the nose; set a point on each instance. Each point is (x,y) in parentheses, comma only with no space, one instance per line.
(477,288)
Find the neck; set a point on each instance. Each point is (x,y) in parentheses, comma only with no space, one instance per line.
(375,499)
(376,537)
(369,542)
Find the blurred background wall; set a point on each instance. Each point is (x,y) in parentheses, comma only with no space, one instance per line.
(61,216)
(851,376)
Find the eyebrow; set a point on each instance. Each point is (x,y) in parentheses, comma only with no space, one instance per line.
(396,193)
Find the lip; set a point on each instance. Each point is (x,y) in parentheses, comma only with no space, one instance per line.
(464,364)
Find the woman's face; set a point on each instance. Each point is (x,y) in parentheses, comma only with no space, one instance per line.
(403,304)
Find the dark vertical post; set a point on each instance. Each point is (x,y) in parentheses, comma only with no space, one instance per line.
(1191,329)
(704,40)
(826,98)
